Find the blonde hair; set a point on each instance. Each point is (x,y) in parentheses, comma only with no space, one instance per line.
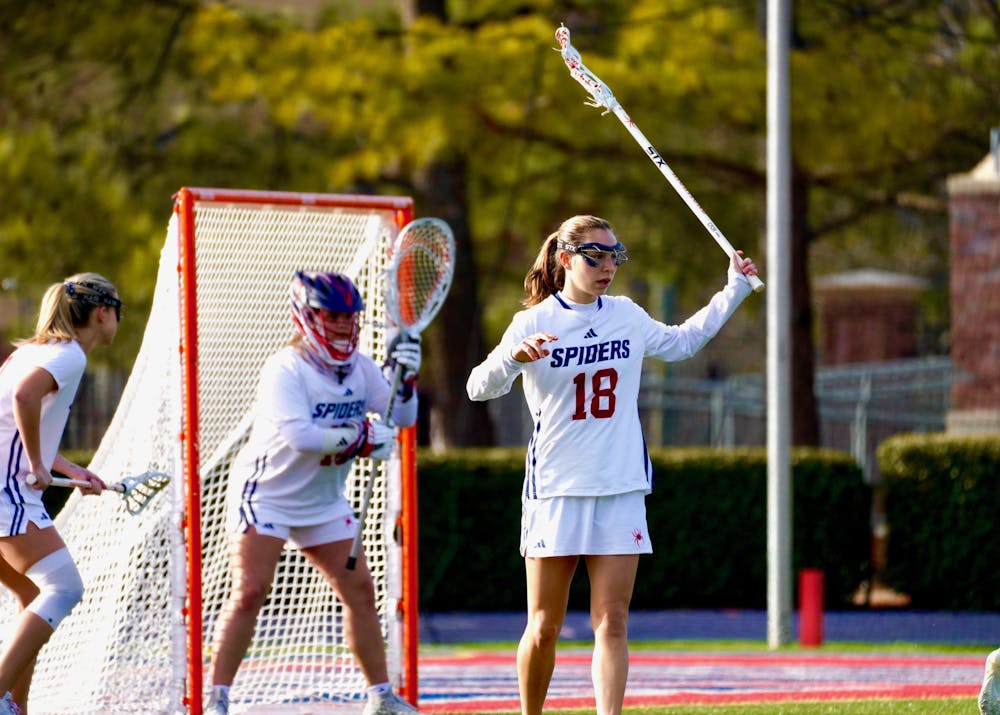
(67,306)
(547,275)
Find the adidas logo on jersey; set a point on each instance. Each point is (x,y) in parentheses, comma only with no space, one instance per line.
(590,334)
(540,544)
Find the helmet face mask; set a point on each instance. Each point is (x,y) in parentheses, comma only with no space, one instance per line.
(314,296)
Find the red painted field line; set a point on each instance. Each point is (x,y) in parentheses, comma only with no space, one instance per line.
(901,692)
(720,659)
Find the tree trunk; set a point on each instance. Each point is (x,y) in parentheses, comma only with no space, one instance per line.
(805,421)
(455,337)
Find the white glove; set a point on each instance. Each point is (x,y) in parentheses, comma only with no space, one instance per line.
(404,351)
(384,437)
(374,439)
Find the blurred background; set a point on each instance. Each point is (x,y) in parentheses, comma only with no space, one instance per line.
(107,107)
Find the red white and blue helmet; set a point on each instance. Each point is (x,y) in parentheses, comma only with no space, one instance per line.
(312,291)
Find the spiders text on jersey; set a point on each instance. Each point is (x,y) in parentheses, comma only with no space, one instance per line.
(339,410)
(575,355)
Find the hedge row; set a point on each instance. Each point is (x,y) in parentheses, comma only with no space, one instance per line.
(942,494)
(708,523)
(707,520)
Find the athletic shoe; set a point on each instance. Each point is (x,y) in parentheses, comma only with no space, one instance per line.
(8,706)
(390,704)
(989,696)
(218,704)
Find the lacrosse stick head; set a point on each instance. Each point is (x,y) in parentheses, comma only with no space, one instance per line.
(600,94)
(422,262)
(562,36)
(139,490)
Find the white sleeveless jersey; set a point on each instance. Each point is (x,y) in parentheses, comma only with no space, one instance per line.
(65,361)
(583,397)
(282,466)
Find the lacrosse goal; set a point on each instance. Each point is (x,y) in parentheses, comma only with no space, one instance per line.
(140,640)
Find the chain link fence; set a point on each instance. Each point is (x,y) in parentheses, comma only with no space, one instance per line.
(860,405)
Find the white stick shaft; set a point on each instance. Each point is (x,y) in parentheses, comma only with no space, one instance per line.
(66,482)
(682,190)
(352,558)
(602,97)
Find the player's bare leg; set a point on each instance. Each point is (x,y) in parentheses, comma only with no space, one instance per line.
(548,580)
(356,591)
(611,581)
(25,590)
(18,554)
(253,558)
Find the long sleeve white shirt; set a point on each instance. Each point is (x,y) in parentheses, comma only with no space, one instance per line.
(583,397)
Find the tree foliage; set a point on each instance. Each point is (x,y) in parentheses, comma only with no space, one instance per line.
(107,107)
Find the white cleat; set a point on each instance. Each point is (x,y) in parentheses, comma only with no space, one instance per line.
(989,696)
(218,704)
(8,706)
(390,704)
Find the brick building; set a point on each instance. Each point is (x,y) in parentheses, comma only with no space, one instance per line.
(867,316)
(974,208)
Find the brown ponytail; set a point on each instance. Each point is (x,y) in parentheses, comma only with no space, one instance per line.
(547,275)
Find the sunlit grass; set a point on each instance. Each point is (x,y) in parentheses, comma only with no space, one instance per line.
(880,706)
(734,646)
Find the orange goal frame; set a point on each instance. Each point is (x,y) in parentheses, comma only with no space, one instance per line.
(184,206)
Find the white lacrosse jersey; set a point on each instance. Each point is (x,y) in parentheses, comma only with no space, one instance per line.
(583,397)
(65,361)
(282,466)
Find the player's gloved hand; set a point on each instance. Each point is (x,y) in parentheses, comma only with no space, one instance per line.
(374,439)
(404,351)
(385,440)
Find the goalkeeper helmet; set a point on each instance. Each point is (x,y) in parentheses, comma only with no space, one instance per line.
(312,293)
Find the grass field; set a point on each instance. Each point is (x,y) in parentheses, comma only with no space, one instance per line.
(875,706)
(949,706)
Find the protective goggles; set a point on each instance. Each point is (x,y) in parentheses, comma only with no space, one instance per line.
(595,253)
(98,297)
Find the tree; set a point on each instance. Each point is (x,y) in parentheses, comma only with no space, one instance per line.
(106,113)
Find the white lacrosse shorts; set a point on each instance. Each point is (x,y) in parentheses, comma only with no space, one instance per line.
(14,518)
(592,526)
(341,525)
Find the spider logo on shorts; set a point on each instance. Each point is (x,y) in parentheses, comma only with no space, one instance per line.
(637,535)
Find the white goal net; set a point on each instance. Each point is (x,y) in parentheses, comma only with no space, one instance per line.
(140,640)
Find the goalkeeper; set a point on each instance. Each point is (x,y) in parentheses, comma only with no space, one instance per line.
(310,423)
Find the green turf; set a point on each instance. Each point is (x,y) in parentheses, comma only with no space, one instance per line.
(901,647)
(922,706)
(718,646)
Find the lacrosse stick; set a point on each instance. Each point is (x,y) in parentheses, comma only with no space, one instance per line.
(601,96)
(421,264)
(136,491)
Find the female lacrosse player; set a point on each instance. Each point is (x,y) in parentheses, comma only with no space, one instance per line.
(288,482)
(37,385)
(587,470)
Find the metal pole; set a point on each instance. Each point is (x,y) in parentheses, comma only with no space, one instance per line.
(779,503)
